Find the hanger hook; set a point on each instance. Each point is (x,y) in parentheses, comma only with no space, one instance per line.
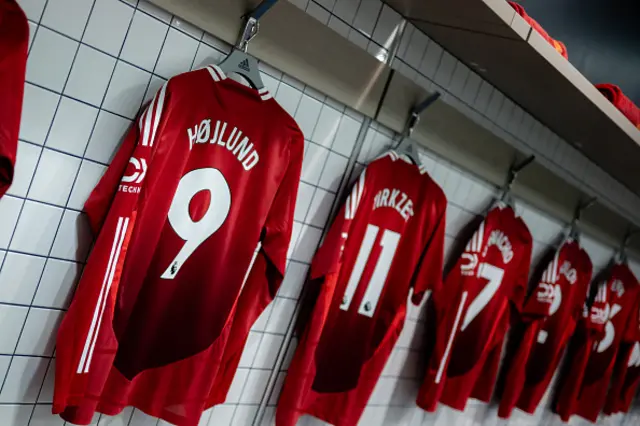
(251,28)
(513,173)
(581,207)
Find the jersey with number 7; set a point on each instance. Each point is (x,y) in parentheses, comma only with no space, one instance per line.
(210,169)
(472,311)
(387,239)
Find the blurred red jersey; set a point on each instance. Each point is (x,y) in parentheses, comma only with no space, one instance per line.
(14,43)
(387,239)
(472,311)
(560,296)
(585,388)
(210,170)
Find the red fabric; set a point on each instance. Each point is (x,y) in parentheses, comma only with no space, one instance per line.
(387,238)
(14,42)
(620,101)
(558,45)
(210,169)
(559,297)
(585,388)
(472,311)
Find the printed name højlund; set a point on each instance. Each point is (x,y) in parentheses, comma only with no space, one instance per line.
(240,146)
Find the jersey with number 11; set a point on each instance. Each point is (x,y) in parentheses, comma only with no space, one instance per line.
(472,311)
(387,239)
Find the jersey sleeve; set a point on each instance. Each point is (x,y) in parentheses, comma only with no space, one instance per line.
(329,257)
(632,330)
(14,40)
(428,276)
(113,209)
(126,166)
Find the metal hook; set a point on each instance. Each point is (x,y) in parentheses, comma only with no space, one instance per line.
(581,207)
(251,28)
(514,170)
(417,110)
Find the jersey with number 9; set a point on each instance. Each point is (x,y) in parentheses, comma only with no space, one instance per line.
(387,239)
(210,169)
(472,311)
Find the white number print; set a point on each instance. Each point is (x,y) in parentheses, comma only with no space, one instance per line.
(195,233)
(389,243)
(494,275)
(609,329)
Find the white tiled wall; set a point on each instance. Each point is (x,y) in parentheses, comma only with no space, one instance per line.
(92,64)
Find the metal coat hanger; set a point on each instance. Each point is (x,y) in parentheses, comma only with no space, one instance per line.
(239,61)
(506,198)
(574,231)
(406,146)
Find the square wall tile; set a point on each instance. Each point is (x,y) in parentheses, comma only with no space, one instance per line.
(177,54)
(54,177)
(339,26)
(67,16)
(144,41)
(126,90)
(90,76)
(74,237)
(320,208)
(387,27)
(57,284)
(239,380)
(50,59)
(26,160)
(307,115)
(303,200)
(416,49)
(108,25)
(39,333)
(318,12)
(72,126)
(33,8)
(12,319)
(268,352)
(445,70)
(24,379)
(346,9)
(9,212)
(327,126)
(15,415)
(206,55)
(250,349)
(306,245)
(314,158)
(255,386)
(42,417)
(38,108)
(108,133)
(36,228)
(332,173)
(293,280)
(367,16)
(19,277)
(88,177)
(346,135)
(288,97)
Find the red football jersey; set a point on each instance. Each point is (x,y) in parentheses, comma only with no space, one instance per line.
(560,296)
(14,42)
(210,170)
(584,391)
(387,239)
(472,311)
(626,374)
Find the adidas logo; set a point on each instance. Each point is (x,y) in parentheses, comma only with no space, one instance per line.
(244,65)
